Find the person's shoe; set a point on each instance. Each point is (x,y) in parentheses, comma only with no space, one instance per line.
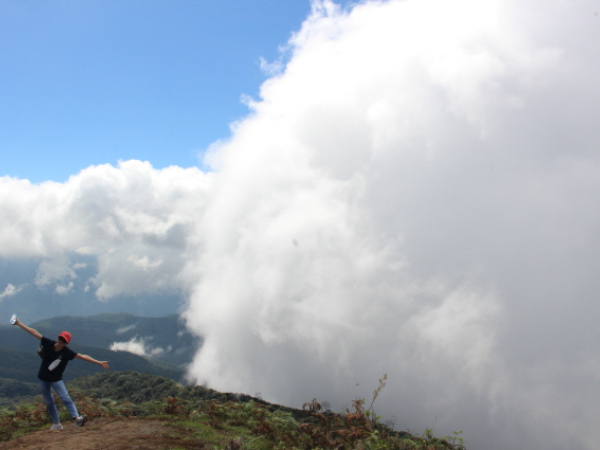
(56,426)
(81,420)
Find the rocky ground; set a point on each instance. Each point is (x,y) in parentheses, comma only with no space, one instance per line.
(106,433)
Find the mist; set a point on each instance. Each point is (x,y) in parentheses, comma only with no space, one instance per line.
(413,193)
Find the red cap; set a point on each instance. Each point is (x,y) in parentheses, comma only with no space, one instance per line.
(66,336)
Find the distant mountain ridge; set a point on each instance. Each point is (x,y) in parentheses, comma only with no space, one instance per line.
(160,339)
(167,348)
(23,365)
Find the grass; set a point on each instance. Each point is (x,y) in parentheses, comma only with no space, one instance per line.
(230,422)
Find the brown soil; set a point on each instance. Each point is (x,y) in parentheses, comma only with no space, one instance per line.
(104,434)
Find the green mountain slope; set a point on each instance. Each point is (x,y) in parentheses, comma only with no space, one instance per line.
(23,365)
(19,362)
(203,418)
(14,388)
(14,391)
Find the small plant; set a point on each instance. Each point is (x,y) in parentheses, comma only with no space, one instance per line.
(89,405)
(8,425)
(312,407)
(173,407)
(127,409)
(370,411)
(456,440)
(234,444)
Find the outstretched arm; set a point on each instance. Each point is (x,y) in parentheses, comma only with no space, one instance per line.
(31,331)
(87,358)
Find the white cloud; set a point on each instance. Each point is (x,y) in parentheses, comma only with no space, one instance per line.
(414,195)
(52,270)
(269,68)
(64,288)
(137,346)
(134,219)
(126,328)
(10,290)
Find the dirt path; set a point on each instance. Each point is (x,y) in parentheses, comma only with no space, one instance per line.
(104,434)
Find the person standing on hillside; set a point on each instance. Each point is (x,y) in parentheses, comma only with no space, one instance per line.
(55,357)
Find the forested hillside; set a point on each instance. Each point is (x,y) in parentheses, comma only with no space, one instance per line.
(93,336)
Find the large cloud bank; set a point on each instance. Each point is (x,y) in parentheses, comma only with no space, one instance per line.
(415,193)
(134,220)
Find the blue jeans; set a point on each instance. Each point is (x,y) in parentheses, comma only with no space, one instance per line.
(61,391)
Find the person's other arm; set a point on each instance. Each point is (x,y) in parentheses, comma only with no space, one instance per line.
(30,330)
(87,358)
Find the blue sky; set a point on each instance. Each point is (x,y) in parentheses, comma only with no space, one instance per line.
(87,82)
